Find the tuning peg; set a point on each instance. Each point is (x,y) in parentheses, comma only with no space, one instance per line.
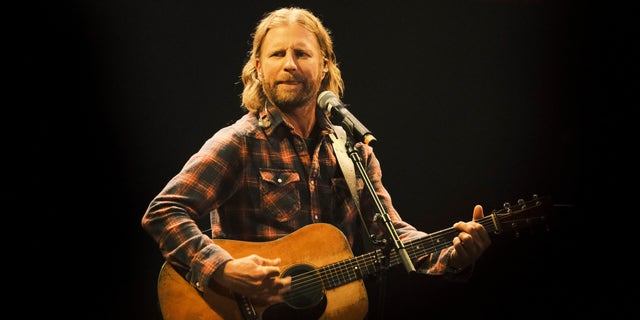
(506,205)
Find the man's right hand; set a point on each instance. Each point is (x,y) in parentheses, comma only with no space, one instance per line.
(254,277)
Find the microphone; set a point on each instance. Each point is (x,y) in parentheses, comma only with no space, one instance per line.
(328,100)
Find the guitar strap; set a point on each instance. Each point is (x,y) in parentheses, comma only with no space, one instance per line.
(347,167)
(339,146)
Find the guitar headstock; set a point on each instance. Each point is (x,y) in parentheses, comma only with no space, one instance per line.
(524,214)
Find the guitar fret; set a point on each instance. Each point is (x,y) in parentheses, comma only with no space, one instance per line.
(328,279)
(341,272)
(353,269)
(358,268)
(365,259)
(370,261)
(330,276)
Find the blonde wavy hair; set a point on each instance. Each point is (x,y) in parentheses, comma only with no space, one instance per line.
(253,97)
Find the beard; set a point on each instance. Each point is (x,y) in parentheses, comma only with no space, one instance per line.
(289,98)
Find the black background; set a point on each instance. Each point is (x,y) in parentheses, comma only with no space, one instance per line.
(471,101)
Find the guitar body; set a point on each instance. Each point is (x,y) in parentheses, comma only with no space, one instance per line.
(313,246)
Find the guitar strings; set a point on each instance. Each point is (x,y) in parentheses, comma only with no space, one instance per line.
(342,272)
(333,275)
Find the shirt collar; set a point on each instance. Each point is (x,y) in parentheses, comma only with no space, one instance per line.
(270,117)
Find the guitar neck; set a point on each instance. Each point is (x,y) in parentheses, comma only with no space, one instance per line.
(507,219)
(339,273)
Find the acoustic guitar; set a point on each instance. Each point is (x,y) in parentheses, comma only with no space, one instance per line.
(327,279)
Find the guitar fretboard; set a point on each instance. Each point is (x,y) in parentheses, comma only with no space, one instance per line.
(342,272)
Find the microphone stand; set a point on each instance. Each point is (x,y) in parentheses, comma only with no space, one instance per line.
(381,213)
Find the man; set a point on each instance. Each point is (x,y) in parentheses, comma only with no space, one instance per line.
(275,171)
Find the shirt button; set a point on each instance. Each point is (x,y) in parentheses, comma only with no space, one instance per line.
(313,182)
(279,180)
(315,217)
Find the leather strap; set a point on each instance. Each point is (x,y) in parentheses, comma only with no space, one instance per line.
(348,170)
(346,164)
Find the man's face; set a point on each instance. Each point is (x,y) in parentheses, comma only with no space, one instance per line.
(290,67)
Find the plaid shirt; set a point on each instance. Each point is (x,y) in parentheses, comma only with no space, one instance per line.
(258,181)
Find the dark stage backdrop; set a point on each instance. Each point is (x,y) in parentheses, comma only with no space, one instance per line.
(472,102)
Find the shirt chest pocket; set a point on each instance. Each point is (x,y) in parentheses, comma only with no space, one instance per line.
(279,194)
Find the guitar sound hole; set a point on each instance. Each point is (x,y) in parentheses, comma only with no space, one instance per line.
(306,287)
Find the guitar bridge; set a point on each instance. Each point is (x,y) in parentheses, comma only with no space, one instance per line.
(246,308)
